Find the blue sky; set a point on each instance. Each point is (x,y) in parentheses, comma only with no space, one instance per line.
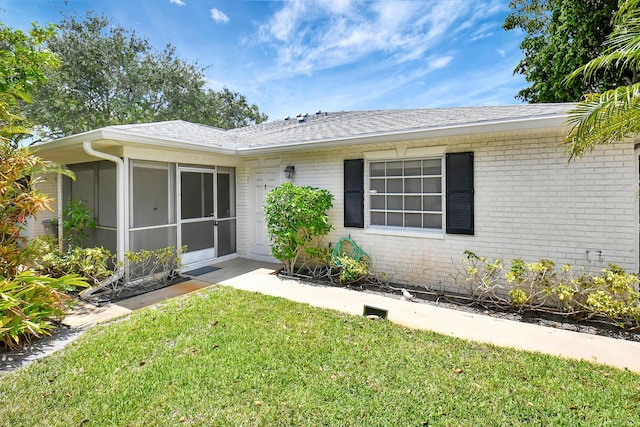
(291,56)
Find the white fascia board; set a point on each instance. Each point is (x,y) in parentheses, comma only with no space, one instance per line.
(123,137)
(394,136)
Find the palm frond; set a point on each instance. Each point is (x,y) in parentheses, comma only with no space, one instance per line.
(622,49)
(604,118)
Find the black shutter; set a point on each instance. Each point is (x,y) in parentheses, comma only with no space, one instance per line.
(459,170)
(354,193)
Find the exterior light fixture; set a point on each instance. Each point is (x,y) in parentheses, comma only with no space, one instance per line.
(289,171)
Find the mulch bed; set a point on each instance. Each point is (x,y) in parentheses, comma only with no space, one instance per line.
(596,326)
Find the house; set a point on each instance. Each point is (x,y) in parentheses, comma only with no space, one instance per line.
(414,188)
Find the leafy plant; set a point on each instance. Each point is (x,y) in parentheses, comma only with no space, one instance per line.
(611,293)
(76,218)
(144,263)
(353,271)
(95,264)
(19,201)
(482,276)
(30,305)
(23,64)
(296,217)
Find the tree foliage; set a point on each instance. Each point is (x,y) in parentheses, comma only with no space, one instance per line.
(19,201)
(29,303)
(610,116)
(560,36)
(110,75)
(23,64)
(295,216)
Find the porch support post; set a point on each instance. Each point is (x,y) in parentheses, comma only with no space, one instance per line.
(121,230)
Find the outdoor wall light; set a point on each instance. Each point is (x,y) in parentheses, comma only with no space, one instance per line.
(289,171)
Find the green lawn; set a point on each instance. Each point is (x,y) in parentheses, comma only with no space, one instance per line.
(227,357)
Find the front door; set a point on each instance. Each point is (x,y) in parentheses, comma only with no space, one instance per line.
(264,181)
(198,218)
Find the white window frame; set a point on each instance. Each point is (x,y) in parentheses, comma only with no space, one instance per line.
(411,154)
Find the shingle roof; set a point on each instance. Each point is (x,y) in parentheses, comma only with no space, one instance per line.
(327,126)
(333,128)
(180,130)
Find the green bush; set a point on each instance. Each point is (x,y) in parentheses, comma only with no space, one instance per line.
(296,218)
(611,293)
(93,264)
(353,271)
(146,263)
(76,219)
(31,304)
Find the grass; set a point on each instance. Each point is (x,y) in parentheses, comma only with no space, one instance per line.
(224,357)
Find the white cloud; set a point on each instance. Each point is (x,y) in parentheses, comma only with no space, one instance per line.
(178,2)
(440,62)
(310,36)
(347,54)
(283,23)
(218,16)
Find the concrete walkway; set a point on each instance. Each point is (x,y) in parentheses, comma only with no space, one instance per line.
(257,277)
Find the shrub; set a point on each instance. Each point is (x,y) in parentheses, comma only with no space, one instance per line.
(482,276)
(144,263)
(30,304)
(612,293)
(353,271)
(19,201)
(76,218)
(93,264)
(296,217)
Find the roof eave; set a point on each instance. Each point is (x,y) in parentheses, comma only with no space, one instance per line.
(122,136)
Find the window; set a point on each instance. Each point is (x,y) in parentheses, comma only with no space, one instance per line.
(406,193)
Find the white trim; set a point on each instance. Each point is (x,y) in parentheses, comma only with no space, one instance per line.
(228,146)
(120,197)
(406,153)
(405,232)
(153,227)
(395,135)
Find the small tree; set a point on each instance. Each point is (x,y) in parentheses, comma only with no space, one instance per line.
(296,216)
(110,75)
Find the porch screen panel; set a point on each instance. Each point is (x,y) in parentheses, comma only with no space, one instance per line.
(84,187)
(150,196)
(226,210)
(197,235)
(95,186)
(197,195)
(226,237)
(105,237)
(152,239)
(107,185)
(152,199)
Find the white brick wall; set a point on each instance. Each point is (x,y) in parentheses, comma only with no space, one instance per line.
(530,203)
